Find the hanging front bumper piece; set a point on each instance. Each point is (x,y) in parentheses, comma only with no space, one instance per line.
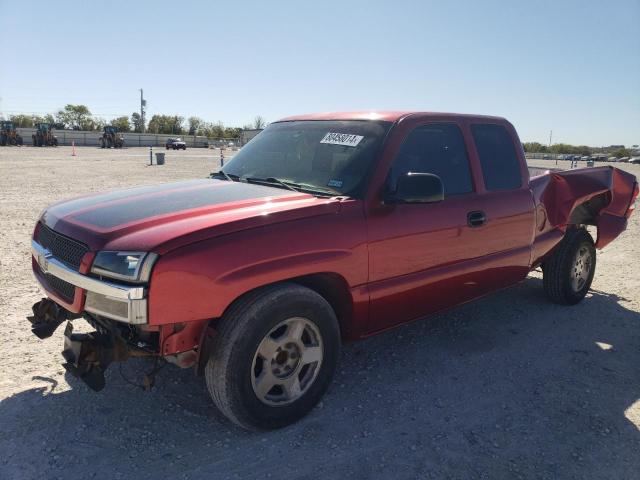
(87,355)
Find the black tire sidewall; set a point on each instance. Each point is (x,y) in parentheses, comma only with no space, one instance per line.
(582,239)
(249,409)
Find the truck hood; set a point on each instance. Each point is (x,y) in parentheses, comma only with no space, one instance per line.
(162,217)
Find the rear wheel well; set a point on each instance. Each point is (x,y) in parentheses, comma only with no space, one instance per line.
(587,212)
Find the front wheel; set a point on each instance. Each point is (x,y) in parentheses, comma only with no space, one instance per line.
(568,273)
(274,356)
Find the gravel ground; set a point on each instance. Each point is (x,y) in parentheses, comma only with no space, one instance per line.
(510,386)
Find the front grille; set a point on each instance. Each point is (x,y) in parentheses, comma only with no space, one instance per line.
(62,288)
(62,248)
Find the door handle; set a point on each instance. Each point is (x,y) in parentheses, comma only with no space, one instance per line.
(476,218)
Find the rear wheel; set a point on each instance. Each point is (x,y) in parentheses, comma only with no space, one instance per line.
(274,356)
(568,274)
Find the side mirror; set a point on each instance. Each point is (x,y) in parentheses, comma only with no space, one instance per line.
(417,188)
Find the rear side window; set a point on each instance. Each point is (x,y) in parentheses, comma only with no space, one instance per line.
(438,149)
(500,164)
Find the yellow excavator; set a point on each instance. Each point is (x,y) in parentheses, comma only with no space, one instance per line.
(111,138)
(8,134)
(44,137)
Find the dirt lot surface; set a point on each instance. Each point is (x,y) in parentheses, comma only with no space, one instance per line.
(510,386)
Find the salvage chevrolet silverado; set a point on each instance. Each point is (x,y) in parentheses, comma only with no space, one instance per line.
(324,228)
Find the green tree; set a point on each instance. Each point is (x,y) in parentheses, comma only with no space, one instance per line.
(621,152)
(583,150)
(532,147)
(195,125)
(22,121)
(136,121)
(122,123)
(217,130)
(166,124)
(97,124)
(259,122)
(76,117)
(232,132)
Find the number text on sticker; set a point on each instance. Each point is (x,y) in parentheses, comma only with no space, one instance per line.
(344,139)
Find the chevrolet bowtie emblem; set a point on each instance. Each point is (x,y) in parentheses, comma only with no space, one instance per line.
(43,261)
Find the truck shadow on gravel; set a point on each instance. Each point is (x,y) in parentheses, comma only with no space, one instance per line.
(510,386)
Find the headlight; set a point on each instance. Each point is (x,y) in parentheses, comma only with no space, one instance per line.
(129,266)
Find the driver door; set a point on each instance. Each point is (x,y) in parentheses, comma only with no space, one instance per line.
(421,256)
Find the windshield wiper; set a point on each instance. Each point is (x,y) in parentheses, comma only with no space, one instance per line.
(227,176)
(272,180)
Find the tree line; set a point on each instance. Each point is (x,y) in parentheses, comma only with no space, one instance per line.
(583,150)
(79,117)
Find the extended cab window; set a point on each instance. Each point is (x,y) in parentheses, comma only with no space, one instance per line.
(500,164)
(438,149)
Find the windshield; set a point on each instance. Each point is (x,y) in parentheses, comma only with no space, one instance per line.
(332,156)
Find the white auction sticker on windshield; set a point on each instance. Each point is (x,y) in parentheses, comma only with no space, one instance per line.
(345,139)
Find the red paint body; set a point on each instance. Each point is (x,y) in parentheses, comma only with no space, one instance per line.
(382,265)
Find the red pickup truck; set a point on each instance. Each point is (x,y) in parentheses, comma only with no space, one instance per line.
(324,228)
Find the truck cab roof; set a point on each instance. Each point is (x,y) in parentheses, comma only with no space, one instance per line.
(388,116)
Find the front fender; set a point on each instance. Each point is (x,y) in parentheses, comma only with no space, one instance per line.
(200,280)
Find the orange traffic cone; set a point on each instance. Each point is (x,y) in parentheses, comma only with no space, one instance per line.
(73,148)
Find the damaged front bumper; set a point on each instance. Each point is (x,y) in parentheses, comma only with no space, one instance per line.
(87,355)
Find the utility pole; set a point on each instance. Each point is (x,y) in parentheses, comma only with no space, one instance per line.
(550,137)
(143,104)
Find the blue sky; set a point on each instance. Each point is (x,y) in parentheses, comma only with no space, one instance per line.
(570,66)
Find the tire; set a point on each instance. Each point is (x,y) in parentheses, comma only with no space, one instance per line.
(262,321)
(568,273)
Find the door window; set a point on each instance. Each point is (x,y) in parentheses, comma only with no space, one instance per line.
(500,164)
(436,148)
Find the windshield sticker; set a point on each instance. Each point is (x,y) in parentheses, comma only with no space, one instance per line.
(344,139)
(335,183)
